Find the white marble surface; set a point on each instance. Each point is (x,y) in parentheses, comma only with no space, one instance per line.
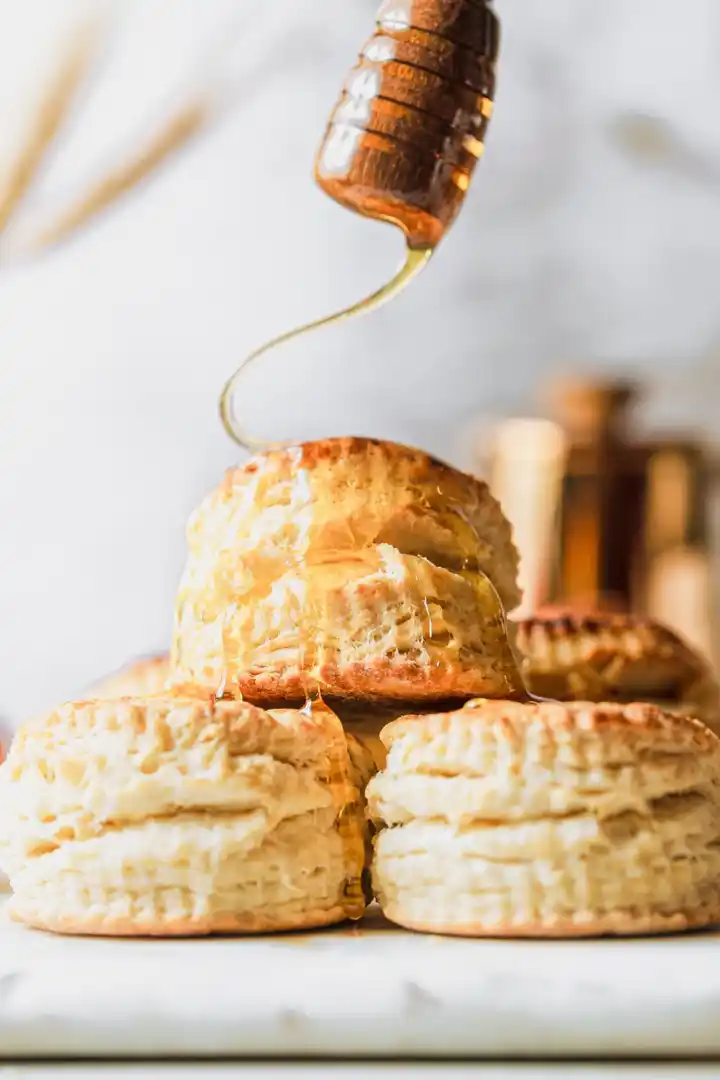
(590,236)
(376,1071)
(365,991)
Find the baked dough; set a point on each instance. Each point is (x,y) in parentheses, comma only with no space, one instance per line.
(507,819)
(148,675)
(364,721)
(352,567)
(608,657)
(178,816)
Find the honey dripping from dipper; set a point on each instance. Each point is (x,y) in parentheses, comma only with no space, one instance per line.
(403,140)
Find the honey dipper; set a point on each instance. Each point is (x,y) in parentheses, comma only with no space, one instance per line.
(404,139)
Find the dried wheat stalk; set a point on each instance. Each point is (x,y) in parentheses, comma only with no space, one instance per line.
(179,129)
(51,113)
(46,125)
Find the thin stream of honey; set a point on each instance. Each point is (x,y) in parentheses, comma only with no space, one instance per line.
(416,259)
(523,695)
(520,692)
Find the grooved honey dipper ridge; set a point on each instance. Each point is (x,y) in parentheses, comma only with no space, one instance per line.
(406,135)
(403,142)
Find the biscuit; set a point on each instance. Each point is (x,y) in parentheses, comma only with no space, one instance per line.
(352,568)
(608,657)
(148,675)
(507,819)
(177,816)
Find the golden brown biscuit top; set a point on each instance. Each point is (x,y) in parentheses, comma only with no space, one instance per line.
(322,500)
(494,760)
(609,656)
(343,448)
(519,724)
(176,724)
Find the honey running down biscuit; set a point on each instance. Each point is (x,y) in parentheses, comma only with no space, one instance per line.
(506,819)
(608,657)
(179,816)
(365,721)
(349,567)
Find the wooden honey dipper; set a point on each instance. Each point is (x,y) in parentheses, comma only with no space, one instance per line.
(404,139)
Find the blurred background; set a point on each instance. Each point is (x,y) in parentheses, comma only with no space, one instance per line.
(158,221)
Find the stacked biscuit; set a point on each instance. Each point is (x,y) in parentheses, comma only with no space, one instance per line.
(177,815)
(591,814)
(340,634)
(506,819)
(626,658)
(345,578)
(357,569)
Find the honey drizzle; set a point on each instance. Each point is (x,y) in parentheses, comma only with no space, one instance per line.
(403,141)
(416,259)
(521,694)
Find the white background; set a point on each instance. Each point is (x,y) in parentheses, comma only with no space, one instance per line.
(575,248)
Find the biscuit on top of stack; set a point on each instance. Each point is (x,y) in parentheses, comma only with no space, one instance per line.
(362,577)
(353,568)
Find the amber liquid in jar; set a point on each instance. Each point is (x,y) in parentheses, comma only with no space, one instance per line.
(409,128)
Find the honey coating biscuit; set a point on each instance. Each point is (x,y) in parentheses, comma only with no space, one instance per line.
(361,759)
(148,675)
(349,567)
(380,626)
(364,721)
(181,816)
(363,765)
(521,820)
(608,657)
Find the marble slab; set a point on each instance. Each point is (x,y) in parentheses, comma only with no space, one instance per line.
(339,1071)
(366,990)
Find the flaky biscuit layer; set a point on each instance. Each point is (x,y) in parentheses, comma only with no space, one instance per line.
(195,874)
(331,498)
(379,625)
(559,880)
